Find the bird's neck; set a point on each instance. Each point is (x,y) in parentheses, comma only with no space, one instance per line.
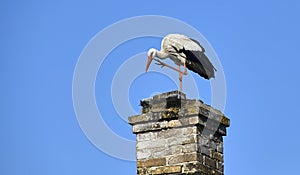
(161,55)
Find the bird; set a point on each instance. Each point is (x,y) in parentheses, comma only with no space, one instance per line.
(183,51)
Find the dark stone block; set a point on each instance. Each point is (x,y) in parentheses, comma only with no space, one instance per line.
(173,102)
(210,162)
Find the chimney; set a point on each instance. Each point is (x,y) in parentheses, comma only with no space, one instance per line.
(175,135)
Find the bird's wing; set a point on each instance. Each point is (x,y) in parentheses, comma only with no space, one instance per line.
(198,62)
(176,51)
(192,51)
(173,44)
(180,41)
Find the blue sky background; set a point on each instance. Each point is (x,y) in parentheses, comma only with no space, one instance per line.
(256,41)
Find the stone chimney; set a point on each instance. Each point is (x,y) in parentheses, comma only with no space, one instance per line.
(175,135)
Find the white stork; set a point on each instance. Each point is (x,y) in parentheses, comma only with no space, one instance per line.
(185,51)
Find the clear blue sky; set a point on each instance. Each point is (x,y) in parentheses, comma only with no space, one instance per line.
(41,41)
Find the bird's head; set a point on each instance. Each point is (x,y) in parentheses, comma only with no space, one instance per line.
(151,54)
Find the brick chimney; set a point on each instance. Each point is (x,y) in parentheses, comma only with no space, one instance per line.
(175,135)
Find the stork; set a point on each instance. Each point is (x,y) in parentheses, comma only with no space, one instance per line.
(185,51)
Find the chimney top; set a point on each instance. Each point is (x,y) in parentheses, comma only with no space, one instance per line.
(179,135)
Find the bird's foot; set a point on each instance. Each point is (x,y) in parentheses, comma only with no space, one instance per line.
(159,63)
(162,64)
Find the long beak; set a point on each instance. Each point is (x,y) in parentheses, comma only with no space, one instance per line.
(148,63)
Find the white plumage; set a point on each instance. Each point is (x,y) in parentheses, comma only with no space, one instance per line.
(185,51)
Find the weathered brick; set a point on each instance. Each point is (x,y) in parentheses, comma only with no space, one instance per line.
(192,102)
(212,125)
(196,168)
(141,171)
(220,166)
(165,95)
(217,156)
(146,136)
(174,123)
(218,137)
(225,121)
(210,162)
(212,145)
(165,170)
(193,110)
(189,148)
(206,169)
(222,130)
(220,148)
(190,120)
(143,154)
(149,126)
(215,172)
(175,159)
(159,152)
(189,130)
(203,141)
(139,118)
(193,167)
(151,162)
(151,144)
(204,150)
(174,149)
(182,140)
(174,132)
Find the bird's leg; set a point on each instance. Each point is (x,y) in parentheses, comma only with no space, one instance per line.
(180,78)
(185,71)
(162,64)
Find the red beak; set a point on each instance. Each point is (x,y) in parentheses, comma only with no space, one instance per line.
(148,63)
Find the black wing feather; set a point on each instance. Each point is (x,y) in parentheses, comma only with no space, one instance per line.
(198,62)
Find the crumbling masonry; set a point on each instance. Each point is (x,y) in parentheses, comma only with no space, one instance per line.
(175,135)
